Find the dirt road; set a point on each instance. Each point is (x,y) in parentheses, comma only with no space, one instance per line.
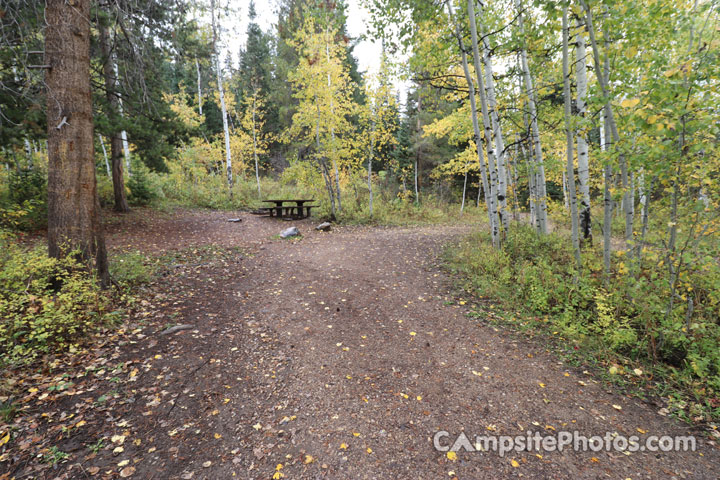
(339,355)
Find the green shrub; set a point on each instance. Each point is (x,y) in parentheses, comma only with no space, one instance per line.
(131,269)
(45,304)
(627,318)
(144,185)
(24,204)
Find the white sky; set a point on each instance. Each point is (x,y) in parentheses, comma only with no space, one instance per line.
(366,52)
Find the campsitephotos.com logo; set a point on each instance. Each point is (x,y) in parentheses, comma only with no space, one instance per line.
(562,440)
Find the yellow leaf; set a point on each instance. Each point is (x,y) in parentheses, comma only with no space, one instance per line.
(419,398)
(5,439)
(217,436)
(617,407)
(412,334)
(369,450)
(638,372)
(452,456)
(629,102)
(123,463)
(356,434)
(308,459)
(343,446)
(514,463)
(613,370)
(542,385)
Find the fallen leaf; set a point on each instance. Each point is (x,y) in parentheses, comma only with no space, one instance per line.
(514,463)
(127,471)
(452,456)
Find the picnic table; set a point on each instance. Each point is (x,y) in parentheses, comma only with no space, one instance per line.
(296,209)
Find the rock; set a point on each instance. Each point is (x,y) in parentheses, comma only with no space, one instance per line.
(234,220)
(324,227)
(290,232)
(176,328)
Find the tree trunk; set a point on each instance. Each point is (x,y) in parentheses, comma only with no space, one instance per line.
(497,130)
(370,159)
(255,155)
(582,145)
(541,207)
(199,86)
(332,127)
(473,114)
(121,204)
(603,80)
(569,135)
(487,127)
(107,164)
(323,165)
(223,108)
(73,207)
(417,150)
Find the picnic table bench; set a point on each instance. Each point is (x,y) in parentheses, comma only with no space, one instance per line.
(296,209)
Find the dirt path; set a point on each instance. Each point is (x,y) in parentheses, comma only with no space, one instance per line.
(336,356)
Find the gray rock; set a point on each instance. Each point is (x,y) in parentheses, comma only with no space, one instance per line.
(324,227)
(290,232)
(234,220)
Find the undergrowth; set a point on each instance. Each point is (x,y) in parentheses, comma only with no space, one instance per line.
(622,324)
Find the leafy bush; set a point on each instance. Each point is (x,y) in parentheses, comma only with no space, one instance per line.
(24,204)
(45,304)
(627,318)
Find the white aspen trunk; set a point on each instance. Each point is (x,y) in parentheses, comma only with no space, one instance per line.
(487,128)
(603,80)
(473,114)
(107,164)
(370,159)
(332,127)
(462,205)
(541,209)
(255,155)
(199,86)
(417,152)
(582,145)
(566,204)
(123,133)
(223,107)
(323,165)
(496,128)
(569,136)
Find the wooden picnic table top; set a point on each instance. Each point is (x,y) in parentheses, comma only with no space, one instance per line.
(279,202)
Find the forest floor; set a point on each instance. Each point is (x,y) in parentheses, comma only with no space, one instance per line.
(337,355)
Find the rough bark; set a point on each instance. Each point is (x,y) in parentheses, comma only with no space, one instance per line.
(121,203)
(73,207)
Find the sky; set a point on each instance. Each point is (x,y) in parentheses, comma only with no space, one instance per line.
(366,52)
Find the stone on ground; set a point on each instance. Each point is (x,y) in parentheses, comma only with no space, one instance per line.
(324,227)
(290,232)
